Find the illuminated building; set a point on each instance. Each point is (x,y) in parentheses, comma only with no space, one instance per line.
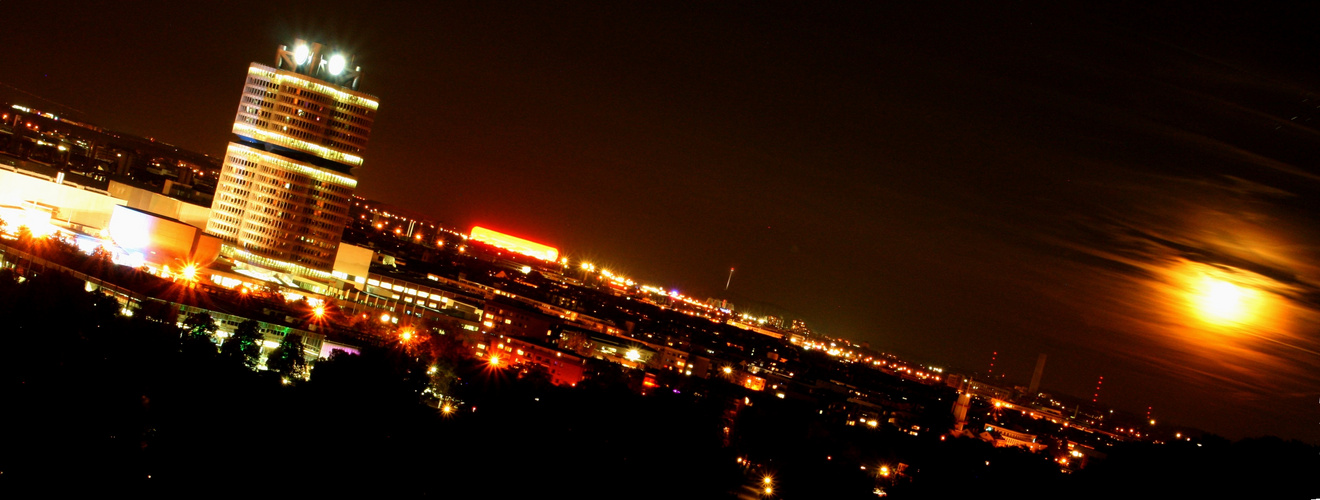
(514,244)
(502,317)
(615,349)
(284,193)
(161,240)
(411,301)
(563,367)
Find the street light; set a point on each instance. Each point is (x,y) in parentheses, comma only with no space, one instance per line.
(189,272)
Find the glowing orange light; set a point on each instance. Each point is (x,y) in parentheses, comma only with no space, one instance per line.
(189,272)
(1223,302)
(514,244)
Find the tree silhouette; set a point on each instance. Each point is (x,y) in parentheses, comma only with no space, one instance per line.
(198,328)
(200,325)
(245,344)
(288,359)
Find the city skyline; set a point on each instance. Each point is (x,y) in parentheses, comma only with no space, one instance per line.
(1019,184)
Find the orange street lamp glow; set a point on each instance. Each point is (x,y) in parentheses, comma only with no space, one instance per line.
(189,272)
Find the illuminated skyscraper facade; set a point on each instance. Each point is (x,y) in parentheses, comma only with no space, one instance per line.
(282,199)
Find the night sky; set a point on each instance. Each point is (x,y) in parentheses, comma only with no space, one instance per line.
(941,180)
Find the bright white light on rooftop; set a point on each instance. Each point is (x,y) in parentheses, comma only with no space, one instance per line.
(301,54)
(337,63)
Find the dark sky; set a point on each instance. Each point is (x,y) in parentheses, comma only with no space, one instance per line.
(941,180)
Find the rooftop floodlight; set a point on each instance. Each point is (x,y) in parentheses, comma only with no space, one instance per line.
(301,54)
(337,63)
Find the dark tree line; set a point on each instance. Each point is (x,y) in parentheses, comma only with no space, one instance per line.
(96,401)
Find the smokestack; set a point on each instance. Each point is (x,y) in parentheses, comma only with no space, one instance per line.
(961,405)
(1035,377)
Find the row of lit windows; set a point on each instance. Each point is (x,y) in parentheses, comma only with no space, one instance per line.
(224,231)
(225,218)
(357,142)
(237,194)
(358,131)
(338,145)
(300,112)
(307,126)
(249,114)
(316,97)
(404,287)
(269,163)
(260,94)
(231,204)
(315,199)
(247,99)
(356,120)
(310,251)
(270,246)
(300,134)
(258,82)
(307,105)
(253,121)
(271,225)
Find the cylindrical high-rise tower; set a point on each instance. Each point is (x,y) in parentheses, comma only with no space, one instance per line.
(282,199)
